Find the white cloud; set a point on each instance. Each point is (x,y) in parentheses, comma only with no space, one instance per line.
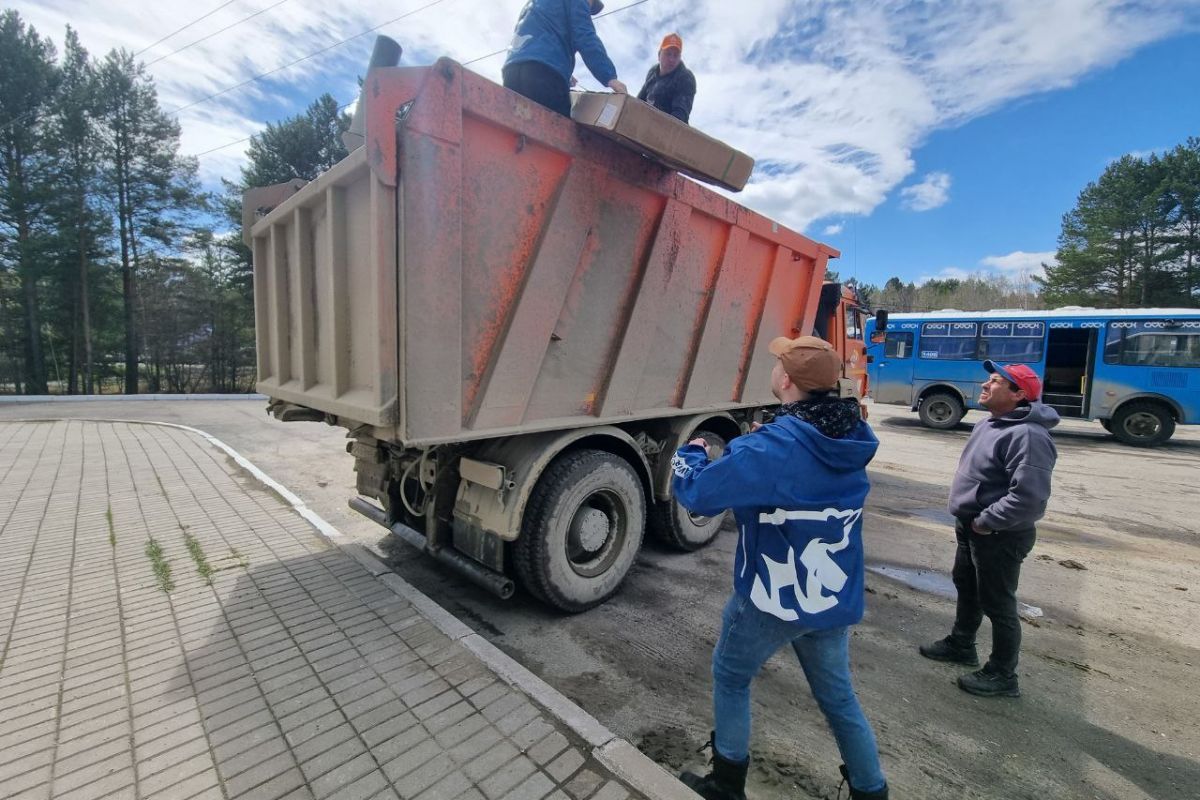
(947,273)
(933,191)
(834,95)
(1020,263)
(833,230)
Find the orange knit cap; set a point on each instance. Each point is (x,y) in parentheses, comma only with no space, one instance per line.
(672,40)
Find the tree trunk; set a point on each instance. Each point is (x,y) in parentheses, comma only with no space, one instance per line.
(85,316)
(73,355)
(35,359)
(128,284)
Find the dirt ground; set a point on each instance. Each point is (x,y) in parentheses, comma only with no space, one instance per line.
(1108,673)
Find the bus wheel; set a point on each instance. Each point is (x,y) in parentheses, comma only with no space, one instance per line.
(1107,425)
(680,528)
(1143,424)
(582,530)
(940,410)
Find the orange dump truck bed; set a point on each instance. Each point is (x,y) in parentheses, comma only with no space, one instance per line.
(483,267)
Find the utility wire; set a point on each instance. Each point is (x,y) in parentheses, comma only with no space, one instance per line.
(28,113)
(215,33)
(369,30)
(184,28)
(598,16)
(260,76)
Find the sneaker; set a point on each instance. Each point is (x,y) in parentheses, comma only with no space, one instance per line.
(946,650)
(986,683)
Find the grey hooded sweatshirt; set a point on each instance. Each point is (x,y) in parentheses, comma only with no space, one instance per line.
(1003,476)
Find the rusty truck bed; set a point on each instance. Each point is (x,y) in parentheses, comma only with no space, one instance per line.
(484,267)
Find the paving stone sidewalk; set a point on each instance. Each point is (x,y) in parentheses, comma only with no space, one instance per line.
(171,628)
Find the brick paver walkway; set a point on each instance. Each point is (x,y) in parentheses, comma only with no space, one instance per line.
(171,629)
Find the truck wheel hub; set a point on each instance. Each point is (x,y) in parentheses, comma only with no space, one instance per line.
(590,529)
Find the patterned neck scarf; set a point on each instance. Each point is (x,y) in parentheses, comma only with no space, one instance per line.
(833,416)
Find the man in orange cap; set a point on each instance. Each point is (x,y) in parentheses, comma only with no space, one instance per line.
(670,86)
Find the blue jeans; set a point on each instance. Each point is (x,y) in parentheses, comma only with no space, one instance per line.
(748,638)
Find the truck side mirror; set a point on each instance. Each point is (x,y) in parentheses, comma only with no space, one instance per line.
(881,319)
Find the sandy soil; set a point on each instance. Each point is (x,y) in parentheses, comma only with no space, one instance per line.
(1109,670)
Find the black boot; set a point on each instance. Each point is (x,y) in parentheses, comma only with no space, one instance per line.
(858,794)
(727,781)
(949,650)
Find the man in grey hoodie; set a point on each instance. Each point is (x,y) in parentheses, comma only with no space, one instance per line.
(999,491)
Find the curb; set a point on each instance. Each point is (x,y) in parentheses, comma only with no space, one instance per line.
(618,755)
(88,398)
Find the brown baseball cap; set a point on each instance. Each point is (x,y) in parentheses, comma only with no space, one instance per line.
(811,363)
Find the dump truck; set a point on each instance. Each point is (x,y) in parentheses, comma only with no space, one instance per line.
(518,321)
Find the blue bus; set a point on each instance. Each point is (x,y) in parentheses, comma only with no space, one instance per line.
(1137,371)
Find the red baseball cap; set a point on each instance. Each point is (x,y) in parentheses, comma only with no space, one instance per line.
(1019,375)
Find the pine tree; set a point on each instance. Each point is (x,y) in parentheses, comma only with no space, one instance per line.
(28,78)
(152,187)
(81,223)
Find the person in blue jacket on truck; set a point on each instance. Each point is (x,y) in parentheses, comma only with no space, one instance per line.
(797,486)
(541,57)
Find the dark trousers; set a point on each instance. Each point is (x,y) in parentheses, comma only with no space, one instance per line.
(539,83)
(986,571)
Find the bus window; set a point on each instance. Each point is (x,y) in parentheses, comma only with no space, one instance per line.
(1012,341)
(948,341)
(898,344)
(1152,343)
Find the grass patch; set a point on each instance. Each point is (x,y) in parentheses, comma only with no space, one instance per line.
(202,565)
(112,529)
(162,570)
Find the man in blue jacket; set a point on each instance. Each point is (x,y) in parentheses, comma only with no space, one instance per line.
(797,487)
(541,57)
(999,491)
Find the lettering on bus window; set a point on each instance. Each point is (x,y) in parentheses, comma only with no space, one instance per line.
(949,341)
(1012,341)
(1153,343)
(898,344)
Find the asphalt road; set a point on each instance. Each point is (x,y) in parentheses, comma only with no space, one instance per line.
(1108,669)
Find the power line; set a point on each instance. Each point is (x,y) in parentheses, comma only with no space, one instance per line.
(598,16)
(347,105)
(216,33)
(31,111)
(260,76)
(184,28)
(342,107)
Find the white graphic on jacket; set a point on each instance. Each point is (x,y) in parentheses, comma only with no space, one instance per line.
(822,571)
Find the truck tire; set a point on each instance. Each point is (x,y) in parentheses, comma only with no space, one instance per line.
(679,528)
(582,530)
(940,410)
(1143,423)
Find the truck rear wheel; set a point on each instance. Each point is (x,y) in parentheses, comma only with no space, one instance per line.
(1143,424)
(680,528)
(582,530)
(940,410)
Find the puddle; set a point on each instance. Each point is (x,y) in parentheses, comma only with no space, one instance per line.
(940,515)
(935,583)
(938,584)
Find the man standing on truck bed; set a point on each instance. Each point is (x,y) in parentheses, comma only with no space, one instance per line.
(999,491)
(670,86)
(797,487)
(541,57)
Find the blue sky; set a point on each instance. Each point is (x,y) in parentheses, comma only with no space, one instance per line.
(1015,171)
(921,138)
